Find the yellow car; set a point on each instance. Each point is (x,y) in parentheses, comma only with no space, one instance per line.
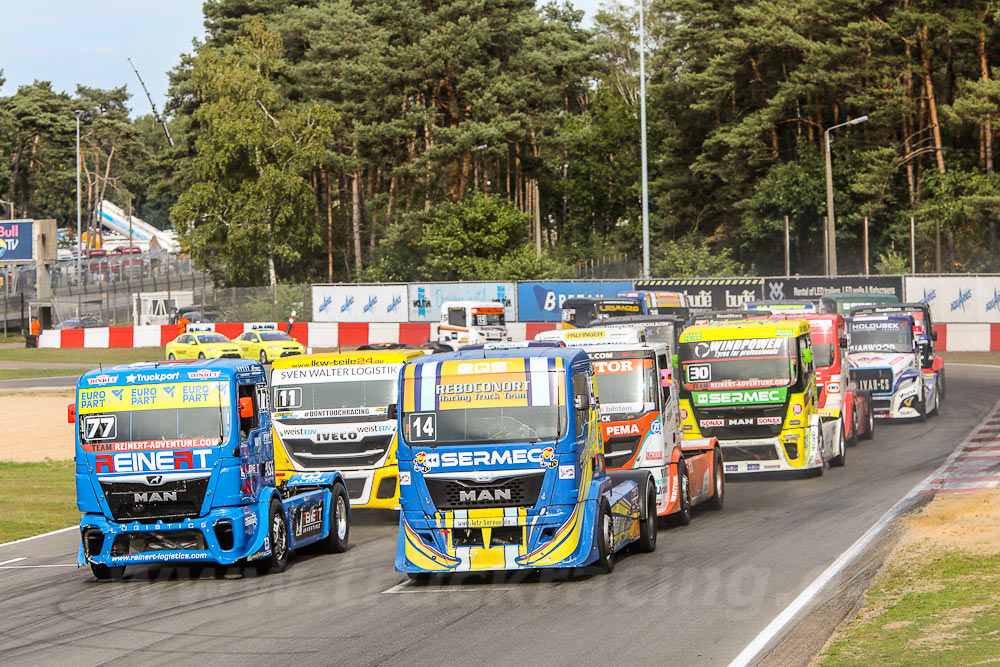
(267,345)
(202,345)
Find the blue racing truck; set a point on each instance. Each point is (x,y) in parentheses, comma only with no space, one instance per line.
(175,463)
(501,465)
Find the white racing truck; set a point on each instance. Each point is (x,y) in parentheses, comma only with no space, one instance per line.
(470,323)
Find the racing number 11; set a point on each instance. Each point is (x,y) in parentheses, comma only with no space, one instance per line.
(421,426)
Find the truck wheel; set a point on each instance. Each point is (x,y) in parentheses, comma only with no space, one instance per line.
(853,440)
(605,539)
(647,529)
(682,516)
(940,383)
(841,458)
(340,525)
(922,409)
(870,431)
(277,529)
(105,572)
(937,404)
(719,484)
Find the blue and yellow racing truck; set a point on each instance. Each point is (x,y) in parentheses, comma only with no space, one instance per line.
(175,463)
(501,465)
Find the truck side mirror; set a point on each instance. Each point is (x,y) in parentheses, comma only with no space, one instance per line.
(934,336)
(807,356)
(578,402)
(393,410)
(843,341)
(246,407)
(71,413)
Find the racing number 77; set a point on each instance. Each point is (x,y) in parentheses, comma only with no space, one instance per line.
(421,426)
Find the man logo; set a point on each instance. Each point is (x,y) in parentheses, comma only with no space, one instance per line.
(155,497)
(154,480)
(484,494)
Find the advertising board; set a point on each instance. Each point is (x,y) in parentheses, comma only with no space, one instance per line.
(359,303)
(708,293)
(425,299)
(957,299)
(16,243)
(813,287)
(542,301)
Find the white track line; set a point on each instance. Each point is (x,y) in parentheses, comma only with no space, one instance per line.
(13,560)
(35,537)
(409,587)
(774,629)
(31,567)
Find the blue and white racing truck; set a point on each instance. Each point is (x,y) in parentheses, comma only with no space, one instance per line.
(885,359)
(175,464)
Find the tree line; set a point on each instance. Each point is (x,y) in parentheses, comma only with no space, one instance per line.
(404,139)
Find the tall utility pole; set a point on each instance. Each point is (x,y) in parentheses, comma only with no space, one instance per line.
(156,114)
(642,123)
(79,238)
(831,240)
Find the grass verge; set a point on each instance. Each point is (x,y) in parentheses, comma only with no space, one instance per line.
(943,609)
(36,498)
(988,358)
(23,373)
(95,356)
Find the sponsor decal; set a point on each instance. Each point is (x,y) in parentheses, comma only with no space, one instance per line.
(833,387)
(404,478)
(151,377)
(711,423)
(753,467)
(732,467)
(102,379)
(184,459)
(772,466)
(768,420)
(148,445)
(307,520)
(739,421)
(204,374)
(654,455)
(964,296)
(656,427)
(425,461)
(744,347)
(740,397)
(622,429)
(797,409)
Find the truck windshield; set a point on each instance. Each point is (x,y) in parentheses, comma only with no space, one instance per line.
(154,416)
(744,363)
(488,318)
(625,385)
(274,335)
(212,338)
(335,387)
(458,407)
(881,336)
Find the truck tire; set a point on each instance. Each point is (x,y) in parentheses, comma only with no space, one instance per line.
(940,383)
(647,529)
(870,431)
(682,516)
(105,572)
(718,483)
(840,459)
(853,440)
(936,404)
(922,409)
(340,522)
(277,529)
(605,538)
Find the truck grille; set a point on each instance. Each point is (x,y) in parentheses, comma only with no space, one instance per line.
(515,491)
(171,501)
(875,380)
(337,454)
(620,449)
(749,453)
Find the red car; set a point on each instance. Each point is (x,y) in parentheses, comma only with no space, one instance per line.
(838,396)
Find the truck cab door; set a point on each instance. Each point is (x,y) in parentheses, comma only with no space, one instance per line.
(669,416)
(256,447)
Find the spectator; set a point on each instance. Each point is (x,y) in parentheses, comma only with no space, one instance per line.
(36,326)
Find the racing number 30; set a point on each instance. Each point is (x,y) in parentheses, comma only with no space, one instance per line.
(421,426)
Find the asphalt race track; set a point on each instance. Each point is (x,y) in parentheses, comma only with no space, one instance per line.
(700,598)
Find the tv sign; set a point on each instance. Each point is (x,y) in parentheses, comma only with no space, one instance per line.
(15,242)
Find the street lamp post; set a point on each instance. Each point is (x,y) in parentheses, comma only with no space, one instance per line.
(79,240)
(831,237)
(642,123)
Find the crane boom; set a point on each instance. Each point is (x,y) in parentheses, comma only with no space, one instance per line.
(156,115)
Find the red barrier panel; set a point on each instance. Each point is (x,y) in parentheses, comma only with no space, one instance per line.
(352,333)
(71,338)
(120,336)
(942,337)
(299,331)
(532,329)
(414,333)
(995,338)
(229,329)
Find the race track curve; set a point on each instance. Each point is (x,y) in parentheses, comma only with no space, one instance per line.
(699,599)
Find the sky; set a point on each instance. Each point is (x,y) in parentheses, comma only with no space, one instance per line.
(69,42)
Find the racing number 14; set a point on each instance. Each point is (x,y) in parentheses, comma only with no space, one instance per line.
(421,426)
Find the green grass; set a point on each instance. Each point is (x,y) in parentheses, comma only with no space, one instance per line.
(989,358)
(23,373)
(11,338)
(36,498)
(112,355)
(942,611)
